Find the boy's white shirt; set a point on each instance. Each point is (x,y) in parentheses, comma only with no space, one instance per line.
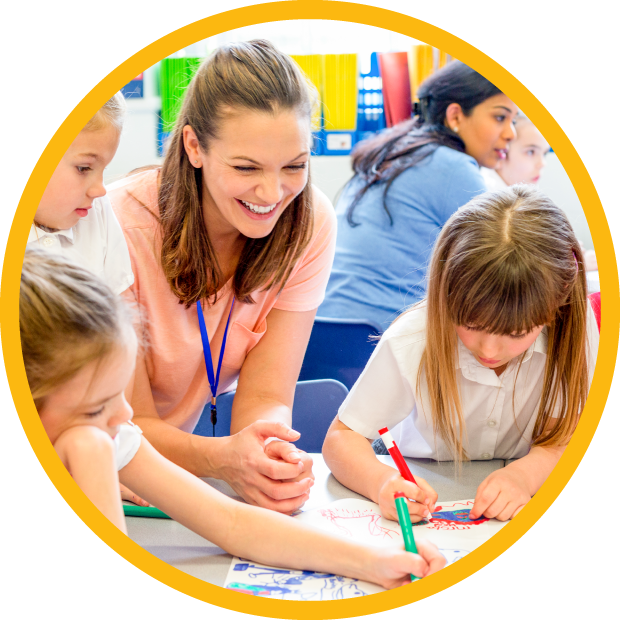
(385,395)
(96,242)
(493,181)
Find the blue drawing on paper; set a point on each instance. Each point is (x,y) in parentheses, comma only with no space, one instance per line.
(291,584)
(461,516)
(452,555)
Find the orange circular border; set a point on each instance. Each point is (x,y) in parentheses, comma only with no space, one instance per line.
(280,11)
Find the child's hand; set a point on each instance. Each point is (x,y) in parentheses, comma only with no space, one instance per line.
(130,496)
(501,495)
(393,567)
(423,495)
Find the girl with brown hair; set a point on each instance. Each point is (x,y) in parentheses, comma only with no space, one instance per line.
(231,248)
(79,351)
(495,363)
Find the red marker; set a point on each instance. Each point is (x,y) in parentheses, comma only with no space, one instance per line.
(392,448)
(403,468)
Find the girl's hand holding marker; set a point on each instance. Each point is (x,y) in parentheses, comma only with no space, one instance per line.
(404,484)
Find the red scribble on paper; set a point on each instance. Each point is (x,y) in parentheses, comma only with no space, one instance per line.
(336,517)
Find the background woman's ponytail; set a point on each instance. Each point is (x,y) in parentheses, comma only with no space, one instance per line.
(385,156)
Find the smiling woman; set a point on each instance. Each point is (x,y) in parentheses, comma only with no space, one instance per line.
(251,176)
(230,217)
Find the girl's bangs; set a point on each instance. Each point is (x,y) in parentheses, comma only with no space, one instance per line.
(500,299)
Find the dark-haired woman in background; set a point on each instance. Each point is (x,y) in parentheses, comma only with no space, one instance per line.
(408,181)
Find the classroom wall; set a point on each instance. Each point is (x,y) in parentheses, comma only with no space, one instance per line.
(329,173)
(556,184)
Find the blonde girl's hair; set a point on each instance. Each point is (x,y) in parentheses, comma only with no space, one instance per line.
(508,262)
(68,318)
(235,78)
(112,113)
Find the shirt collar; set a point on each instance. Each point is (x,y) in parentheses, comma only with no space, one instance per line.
(37,233)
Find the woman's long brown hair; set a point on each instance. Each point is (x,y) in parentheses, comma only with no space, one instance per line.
(508,262)
(252,76)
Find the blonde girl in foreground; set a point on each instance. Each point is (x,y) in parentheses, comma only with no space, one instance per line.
(79,351)
(495,363)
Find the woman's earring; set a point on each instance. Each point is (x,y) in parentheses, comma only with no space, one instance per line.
(455,130)
(195,161)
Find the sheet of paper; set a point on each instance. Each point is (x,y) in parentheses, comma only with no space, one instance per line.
(451,530)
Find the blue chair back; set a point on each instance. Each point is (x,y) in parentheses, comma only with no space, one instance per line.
(339,349)
(315,406)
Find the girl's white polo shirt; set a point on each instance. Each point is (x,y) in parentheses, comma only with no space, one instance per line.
(386,395)
(96,242)
(127,443)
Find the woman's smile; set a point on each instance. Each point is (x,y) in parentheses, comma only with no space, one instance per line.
(258,212)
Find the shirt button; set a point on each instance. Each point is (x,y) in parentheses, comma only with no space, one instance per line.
(486,455)
(48,241)
(492,422)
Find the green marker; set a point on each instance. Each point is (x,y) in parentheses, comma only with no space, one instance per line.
(405,525)
(144,511)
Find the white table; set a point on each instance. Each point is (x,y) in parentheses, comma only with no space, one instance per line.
(192,554)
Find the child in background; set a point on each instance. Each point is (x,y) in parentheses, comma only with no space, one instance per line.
(79,351)
(495,363)
(74,217)
(523,164)
(524,161)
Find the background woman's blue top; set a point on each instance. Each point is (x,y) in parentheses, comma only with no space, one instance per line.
(380,268)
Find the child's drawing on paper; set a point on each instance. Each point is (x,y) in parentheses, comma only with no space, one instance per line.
(452,555)
(285,584)
(348,521)
(458,519)
(450,529)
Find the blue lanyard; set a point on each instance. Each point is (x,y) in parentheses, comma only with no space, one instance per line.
(213,379)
